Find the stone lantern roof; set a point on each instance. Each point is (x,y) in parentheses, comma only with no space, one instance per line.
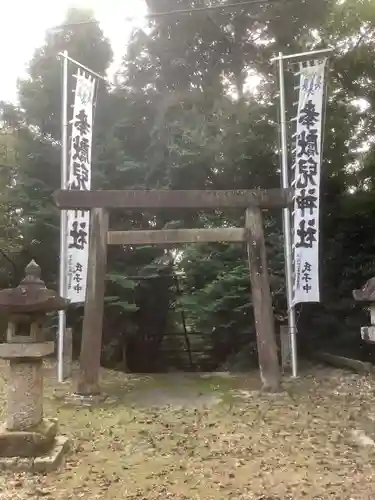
(366,293)
(31,295)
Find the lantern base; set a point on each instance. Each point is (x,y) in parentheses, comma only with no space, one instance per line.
(47,462)
(30,442)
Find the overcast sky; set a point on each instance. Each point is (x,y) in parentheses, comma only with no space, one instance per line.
(24,23)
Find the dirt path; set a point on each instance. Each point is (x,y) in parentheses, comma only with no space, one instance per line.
(211,437)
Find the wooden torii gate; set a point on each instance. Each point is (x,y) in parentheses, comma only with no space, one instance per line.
(99,202)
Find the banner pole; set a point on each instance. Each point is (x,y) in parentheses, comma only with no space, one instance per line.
(286,221)
(63,215)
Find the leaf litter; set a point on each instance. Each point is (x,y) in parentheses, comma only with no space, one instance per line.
(185,436)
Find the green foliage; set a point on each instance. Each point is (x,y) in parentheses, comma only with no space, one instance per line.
(183,117)
(122,285)
(218,281)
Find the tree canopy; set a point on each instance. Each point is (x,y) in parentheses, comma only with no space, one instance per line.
(195,107)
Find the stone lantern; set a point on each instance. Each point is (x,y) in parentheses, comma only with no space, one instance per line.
(367,295)
(27,440)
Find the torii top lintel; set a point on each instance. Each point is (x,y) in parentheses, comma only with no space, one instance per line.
(141,199)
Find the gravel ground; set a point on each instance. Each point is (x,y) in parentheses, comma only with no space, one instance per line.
(208,437)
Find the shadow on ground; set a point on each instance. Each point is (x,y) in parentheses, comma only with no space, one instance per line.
(210,437)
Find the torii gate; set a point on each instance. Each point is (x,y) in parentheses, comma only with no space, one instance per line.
(99,202)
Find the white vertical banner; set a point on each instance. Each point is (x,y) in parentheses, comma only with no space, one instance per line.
(79,178)
(308,157)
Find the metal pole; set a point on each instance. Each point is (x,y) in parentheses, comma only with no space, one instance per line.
(63,215)
(94,73)
(301,55)
(286,221)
